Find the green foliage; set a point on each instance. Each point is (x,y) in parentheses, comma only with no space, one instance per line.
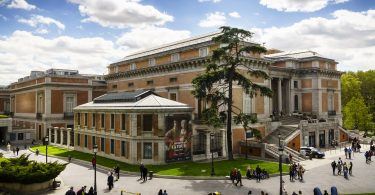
(350,87)
(215,85)
(3,116)
(356,114)
(23,170)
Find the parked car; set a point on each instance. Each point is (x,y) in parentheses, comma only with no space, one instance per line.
(304,150)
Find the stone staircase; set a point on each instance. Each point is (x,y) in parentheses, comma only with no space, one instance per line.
(273,150)
(289,120)
(285,131)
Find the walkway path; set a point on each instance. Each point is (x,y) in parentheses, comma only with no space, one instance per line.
(318,174)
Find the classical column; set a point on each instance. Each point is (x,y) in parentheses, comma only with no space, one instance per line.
(49,135)
(280,100)
(317,138)
(68,130)
(62,135)
(208,144)
(55,134)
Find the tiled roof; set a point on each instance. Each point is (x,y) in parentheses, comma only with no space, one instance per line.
(294,55)
(122,97)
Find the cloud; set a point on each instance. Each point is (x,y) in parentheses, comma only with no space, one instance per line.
(214,1)
(37,20)
(120,14)
(347,37)
(21,4)
(213,20)
(22,52)
(144,37)
(41,31)
(234,15)
(298,5)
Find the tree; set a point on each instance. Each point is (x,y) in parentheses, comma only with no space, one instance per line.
(215,85)
(367,88)
(357,114)
(350,87)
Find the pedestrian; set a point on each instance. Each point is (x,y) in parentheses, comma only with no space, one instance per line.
(93,162)
(160,192)
(301,171)
(117,171)
(239,177)
(350,167)
(91,191)
(141,167)
(333,165)
(14,151)
(299,192)
(249,193)
(17,150)
(110,181)
(294,193)
(145,171)
(258,171)
(37,151)
(291,172)
(350,153)
(325,192)
(82,191)
(165,192)
(290,158)
(70,158)
(8,147)
(233,175)
(339,168)
(345,171)
(346,152)
(70,192)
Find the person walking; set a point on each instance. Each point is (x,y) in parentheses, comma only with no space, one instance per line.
(339,168)
(110,181)
(145,171)
(70,192)
(93,162)
(291,172)
(258,171)
(301,171)
(141,167)
(346,152)
(14,151)
(117,171)
(82,191)
(350,153)
(239,177)
(17,150)
(160,192)
(350,167)
(165,192)
(37,151)
(333,165)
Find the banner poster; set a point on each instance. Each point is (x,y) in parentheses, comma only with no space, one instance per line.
(178,138)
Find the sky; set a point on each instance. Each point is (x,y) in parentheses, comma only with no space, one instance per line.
(88,35)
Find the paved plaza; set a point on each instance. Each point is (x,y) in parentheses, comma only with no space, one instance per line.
(318,174)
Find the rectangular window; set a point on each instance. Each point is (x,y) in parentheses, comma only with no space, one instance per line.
(102,120)
(130,84)
(123,149)
(151,62)
(173,79)
(112,121)
(173,96)
(247,104)
(133,66)
(79,139)
(122,121)
(112,146)
(93,140)
(330,102)
(295,84)
(175,57)
(116,69)
(147,150)
(150,82)
(69,104)
(147,122)
(78,118)
(93,119)
(20,136)
(203,52)
(249,134)
(102,144)
(114,86)
(85,119)
(86,141)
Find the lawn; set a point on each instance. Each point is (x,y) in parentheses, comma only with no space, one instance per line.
(222,168)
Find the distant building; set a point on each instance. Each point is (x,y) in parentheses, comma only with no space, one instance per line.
(44,101)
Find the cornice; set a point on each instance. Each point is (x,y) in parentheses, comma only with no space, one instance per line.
(305,71)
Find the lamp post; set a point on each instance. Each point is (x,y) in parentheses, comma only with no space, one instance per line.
(212,136)
(281,149)
(95,148)
(46,139)
(247,149)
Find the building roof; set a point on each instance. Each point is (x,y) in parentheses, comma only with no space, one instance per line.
(133,101)
(298,55)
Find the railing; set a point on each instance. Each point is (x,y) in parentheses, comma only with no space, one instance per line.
(68,115)
(331,112)
(39,116)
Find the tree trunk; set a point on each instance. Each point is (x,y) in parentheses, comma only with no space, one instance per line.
(229,119)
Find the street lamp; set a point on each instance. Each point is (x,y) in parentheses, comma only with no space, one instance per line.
(46,139)
(95,148)
(212,136)
(247,149)
(281,149)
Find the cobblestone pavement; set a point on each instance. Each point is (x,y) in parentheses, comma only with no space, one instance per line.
(318,174)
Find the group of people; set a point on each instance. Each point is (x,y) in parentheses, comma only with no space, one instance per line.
(162,193)
(342,168)
(257,173)
(144,171)
(356,147)
(296,171)
(235,175)
(81,191)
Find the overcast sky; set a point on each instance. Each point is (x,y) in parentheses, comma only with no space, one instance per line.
(88,35)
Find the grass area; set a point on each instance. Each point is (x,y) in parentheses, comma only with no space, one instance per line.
(222,168)
(3,116)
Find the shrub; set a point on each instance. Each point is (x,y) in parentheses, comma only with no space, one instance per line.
(23,170)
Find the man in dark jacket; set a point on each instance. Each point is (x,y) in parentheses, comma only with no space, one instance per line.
(258,171)
(141,167)
(333,165)
(70,192)
(117,171)
(110,181)
(239,177)
(145,171)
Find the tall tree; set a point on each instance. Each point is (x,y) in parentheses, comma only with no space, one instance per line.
(356,114)
(367,88)
(216,84)
(350,87)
